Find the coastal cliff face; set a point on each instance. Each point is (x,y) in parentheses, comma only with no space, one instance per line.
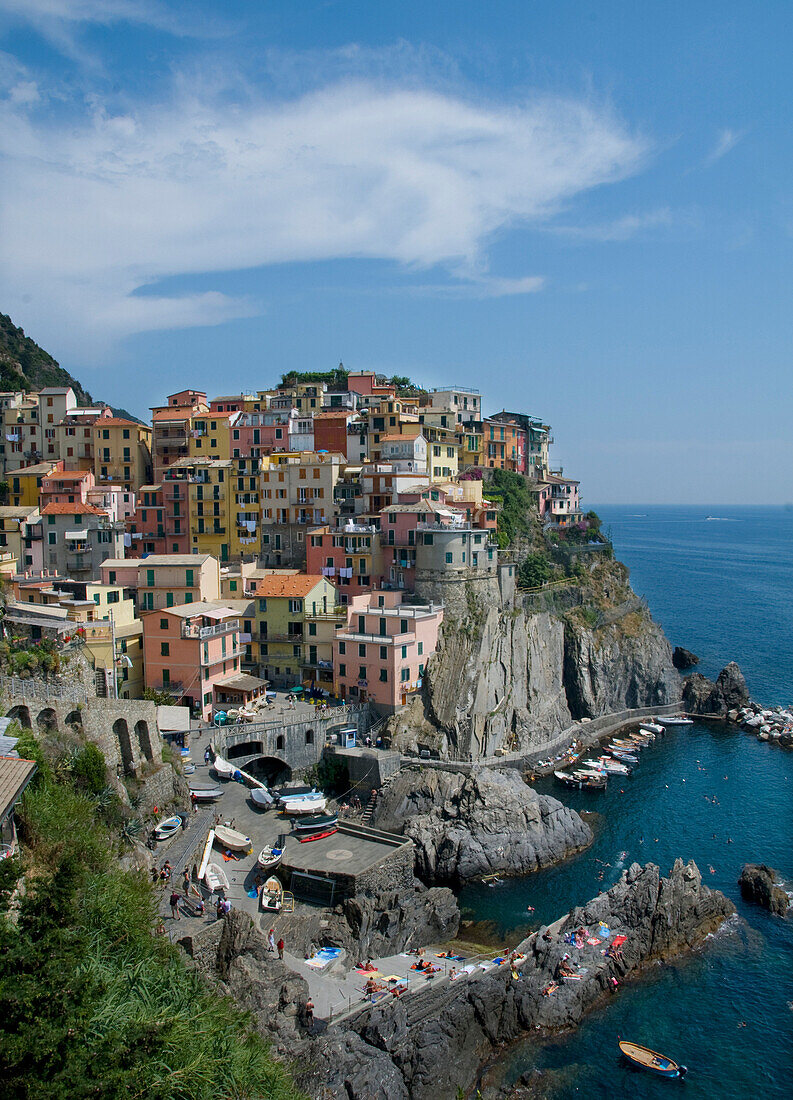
(512,678)
(430,1045)
(465,826)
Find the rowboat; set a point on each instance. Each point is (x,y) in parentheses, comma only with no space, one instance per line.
(215,877)
(644,1058)
(291,794)
(223,768)
(206,792)
(262,798)
(230,838)
(269,858)
(652,727)
(301,806)
(272,896)
(315,823)
(167,827)
(317,836)
(679,720)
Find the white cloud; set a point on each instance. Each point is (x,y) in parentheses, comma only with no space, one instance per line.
(96,210)
(620,229)
(725,143)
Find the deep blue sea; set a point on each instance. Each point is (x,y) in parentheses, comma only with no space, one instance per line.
(721,587)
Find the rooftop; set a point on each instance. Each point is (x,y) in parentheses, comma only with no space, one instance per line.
(75,509)
(241,681)
(121,422)
(297,586)
(167,559)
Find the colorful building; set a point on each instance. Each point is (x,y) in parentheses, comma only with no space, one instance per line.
(122,452)
(348,554)
(78,538)
(282,604)
(297,492)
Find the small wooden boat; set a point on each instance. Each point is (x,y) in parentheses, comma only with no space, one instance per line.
(300,806)
(679,720)
(167,827)
(272,896)
(315,823)
(269,858)
(262,798)
(215,877)
(317,836)
(206,792)
(644,1058)
(230,838)
(289,794)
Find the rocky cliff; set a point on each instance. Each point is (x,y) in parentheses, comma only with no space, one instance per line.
(465,826)
(513,677)
(431,1044)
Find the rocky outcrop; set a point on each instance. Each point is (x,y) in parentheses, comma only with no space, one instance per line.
(684,658)
(432,1044)
(233,954)
(758,883)
(703,696)
(389,922)
(464,826)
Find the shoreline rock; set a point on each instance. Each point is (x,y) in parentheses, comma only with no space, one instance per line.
(683,658)
(430,1044)
(758,884)
(488,822)
(703,696)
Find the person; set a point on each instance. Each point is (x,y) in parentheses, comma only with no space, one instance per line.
(453,973)
(186,882)
(219,907)
(207,755)
(194,801)
(281,946)
(155,874)
(309,1014)
(174,902)
(199,906)
(271,940)
(160,929)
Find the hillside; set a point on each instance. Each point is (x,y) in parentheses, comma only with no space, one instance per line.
(26,366)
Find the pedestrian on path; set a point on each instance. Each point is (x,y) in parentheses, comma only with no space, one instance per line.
(194,801)
(186,882)
(175,906)
(281,946)
(207,755)
(309,1014)
(271,940)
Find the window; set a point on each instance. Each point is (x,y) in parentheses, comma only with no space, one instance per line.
(383,652)
(383,675)
(165,649)
(262,605)
(309,737)
(52,538)
(189,579)
(449,557)
(169,599)
(295,607)
(342,647)
(342,670)
(403,626)
(404,652)
(362,649)
(404,675)
(150,578)
(163,624)
(188,597)
(362,672)
(312,629)
(166,676)
(125,433)
(420,648)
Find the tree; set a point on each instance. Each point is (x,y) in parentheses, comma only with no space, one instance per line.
(161,698)
(534,571)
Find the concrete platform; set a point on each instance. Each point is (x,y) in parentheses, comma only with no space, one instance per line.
(352,850)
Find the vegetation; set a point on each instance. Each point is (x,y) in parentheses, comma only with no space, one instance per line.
(515,517)
(94,1003)
(329,774)
(337,379)
(535,570)
(161,698)
(20,657)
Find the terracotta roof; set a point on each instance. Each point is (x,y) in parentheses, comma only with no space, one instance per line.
(336,414)
(178,412)
(297,586)
(120,421)
(76,509)
(69,475)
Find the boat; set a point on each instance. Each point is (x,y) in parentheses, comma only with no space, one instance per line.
(679,720)
(223,768)
(269,858)
(167,827)
(230,838)
(300,806)
(289,794)
(272,896)
(652,727)
(582,780)
(206,792)
(215,877)
(317,836)
(315,823)
(262,798)
(624,757)
(614,767)
(651,1060)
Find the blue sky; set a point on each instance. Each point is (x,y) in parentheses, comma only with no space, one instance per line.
(583,209)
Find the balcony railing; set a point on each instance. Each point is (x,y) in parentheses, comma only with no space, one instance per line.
(193,630)
(174,687)
(284,637)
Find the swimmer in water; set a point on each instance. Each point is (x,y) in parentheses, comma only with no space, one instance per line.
(529,908)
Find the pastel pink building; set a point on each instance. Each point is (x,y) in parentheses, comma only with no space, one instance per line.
(382,653)
(79,487)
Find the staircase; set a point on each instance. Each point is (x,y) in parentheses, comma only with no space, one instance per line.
(373,799)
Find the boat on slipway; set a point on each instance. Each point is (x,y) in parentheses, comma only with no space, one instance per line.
(206,792)
(269,858)
(315,823)
(167,827)
(304,806)
(215,877)
(272,895)
(651,1060)
(232,839)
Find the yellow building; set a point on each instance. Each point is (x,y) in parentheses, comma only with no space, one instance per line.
(284,607)
(297,492)
(122,453)
(209,435)
(24,486)
(114,639)
(469,446)
(16,528)
(210,515)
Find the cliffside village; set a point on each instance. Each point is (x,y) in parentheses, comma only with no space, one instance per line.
(289,538)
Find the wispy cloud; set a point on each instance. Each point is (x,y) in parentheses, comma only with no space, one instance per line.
(115,202)
(619,229)
(725,143)
(481,287)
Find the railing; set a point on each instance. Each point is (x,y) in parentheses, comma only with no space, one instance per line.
(14,688)
(284,637)
(382,639)
(174,687)
(191,630)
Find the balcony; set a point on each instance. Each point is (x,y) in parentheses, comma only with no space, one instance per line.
(174,687)
(202,633)
(78,564)
(284,637)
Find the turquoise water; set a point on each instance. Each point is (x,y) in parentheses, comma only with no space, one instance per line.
(721,588)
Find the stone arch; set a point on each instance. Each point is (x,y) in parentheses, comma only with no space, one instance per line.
(74,718)
(121,730)
(280,742)
(309,737)
(270,769)
(47,720)
(20,714)
(244,748)
(144,739)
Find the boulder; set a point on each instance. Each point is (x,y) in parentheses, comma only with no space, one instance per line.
(464,826)
(758,884)
(372,926)
(703,696)
(684,658)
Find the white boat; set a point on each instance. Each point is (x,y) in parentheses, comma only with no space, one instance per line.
(269,858)
(679,720)
(272,896)
(168,826)
(292,794)
(206,792)
(652,727)
(223,768)
(215,877)
(303,806)
(260,796)
(230,838)
(614,767)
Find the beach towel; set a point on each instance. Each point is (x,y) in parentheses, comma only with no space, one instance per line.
(379,995)
(468,969)
(368,973)
(618,941)
(593,942)
(604,932)
(392,978)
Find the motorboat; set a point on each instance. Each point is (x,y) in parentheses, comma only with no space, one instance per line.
(303,806)
(315,823)
(289,794)
(167,827)
(679,720)
(651,1060)
(614,767)
(582,780)
(272,895)
(231,838)
(652,727)
(623,756)
(206,792)
(215,877)
(262,798)
(269,858)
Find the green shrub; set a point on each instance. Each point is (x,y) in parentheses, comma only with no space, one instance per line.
(534,571)
(89,768)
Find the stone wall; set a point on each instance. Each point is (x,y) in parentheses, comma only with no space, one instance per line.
(394,872)
(458,591)
(368,768)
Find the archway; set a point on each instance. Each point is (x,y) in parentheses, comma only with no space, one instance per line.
(47,720)
(74,718)
(245,748)
(20,714)
(270,769)
(144,740)
(309,737)
(121,730)
(280,741)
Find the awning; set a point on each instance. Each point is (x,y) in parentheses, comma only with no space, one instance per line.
(76,535)
(296,690)
(218,613)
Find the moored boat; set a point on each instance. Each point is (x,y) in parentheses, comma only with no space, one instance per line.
(652,727)
(269,857)
(206,792)
(624,756)
(272,896)
(215,877)
(679,720)
(231,838)
(651,1060)
(167,827)
(315,823)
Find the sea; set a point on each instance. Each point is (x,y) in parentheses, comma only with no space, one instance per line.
(720,581)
